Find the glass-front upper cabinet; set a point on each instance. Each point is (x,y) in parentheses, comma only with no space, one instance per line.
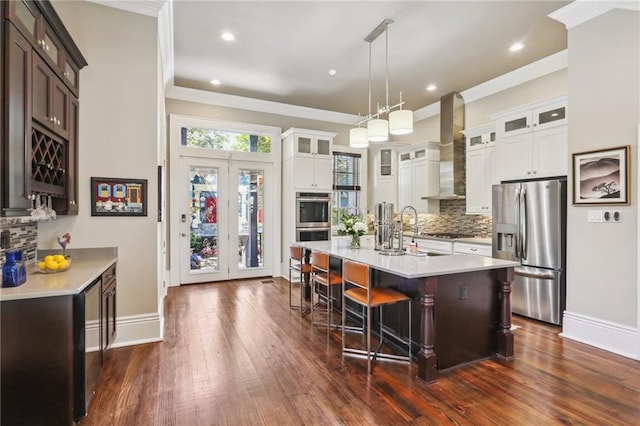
(24,16)
(541,115)
(479,137)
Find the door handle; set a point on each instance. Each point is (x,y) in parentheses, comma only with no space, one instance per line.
(182,234)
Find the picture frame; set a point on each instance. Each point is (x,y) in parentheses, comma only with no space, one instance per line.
(118,197)
(602,177)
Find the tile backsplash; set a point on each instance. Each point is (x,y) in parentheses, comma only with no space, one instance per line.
(452,218)
(23,233)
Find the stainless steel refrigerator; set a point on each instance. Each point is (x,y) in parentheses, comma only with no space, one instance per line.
(529,226)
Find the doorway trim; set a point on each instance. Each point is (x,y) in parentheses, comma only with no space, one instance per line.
(176,122)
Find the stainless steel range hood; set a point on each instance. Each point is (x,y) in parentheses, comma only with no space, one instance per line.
(452,149)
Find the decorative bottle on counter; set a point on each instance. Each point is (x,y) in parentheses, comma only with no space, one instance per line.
(14,272)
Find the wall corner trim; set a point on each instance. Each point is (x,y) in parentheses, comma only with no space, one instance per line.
(138,329)
(617,338)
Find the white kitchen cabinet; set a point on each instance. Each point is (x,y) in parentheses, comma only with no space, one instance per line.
(532,140)
(437,246)
(308,153)
(418,174)
(481,170)
(385,177)
(472,248)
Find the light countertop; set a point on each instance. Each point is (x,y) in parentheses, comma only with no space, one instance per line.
(408,266)
(86,266)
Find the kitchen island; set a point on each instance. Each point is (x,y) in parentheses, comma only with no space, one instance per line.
(464,300)
(54,329)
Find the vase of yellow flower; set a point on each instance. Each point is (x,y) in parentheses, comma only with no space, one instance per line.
(352,225)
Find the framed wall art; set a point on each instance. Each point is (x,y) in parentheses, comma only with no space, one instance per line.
(118,197)
(601,177)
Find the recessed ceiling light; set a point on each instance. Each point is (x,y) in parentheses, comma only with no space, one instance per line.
(227,36)
(215,82)
(332,71)
(515,47)
(431,87)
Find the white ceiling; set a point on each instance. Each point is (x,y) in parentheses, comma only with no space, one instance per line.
(284,50)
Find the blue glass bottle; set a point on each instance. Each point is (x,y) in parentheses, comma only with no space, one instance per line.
(22,269)
(11,270)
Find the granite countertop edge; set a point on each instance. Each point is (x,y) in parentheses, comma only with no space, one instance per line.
(86,265)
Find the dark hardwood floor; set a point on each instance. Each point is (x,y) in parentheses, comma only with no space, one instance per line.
(235,354)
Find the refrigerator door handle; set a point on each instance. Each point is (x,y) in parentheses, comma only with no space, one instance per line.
(542,275)
(523,224)
(517,218)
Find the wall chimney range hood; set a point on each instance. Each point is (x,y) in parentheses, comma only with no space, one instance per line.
(452,149)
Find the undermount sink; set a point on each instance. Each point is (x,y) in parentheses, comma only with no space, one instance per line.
(391,252)
(432,253)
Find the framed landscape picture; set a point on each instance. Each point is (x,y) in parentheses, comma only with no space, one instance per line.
(601,177)
(118,197)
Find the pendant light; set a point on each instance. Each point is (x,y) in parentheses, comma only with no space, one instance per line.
(400,121)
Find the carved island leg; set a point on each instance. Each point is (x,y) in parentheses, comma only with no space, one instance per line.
(427,358)
(504,346)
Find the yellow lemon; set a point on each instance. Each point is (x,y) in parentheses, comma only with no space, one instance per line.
(63,264)
(51,265)
(58,258)
(41,264)
(48,258)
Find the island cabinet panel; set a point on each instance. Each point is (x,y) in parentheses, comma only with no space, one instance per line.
(37,361)
(467,315)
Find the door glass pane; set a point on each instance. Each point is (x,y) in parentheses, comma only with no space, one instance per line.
(51,48)
(250,218)
(324,146)
(24,14)
(203,196)
(520,123)
(219,139)
(304,145)
(553,115)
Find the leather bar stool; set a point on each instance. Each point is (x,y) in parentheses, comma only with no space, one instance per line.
(357,288)
(322,276)
(298,265)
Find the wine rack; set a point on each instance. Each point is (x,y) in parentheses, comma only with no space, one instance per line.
(48,163)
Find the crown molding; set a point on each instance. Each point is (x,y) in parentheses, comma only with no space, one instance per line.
(581,11)
(258,105)
(141,7)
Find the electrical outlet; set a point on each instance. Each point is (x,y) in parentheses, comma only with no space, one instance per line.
(607,216)
(5,239)
(616,216)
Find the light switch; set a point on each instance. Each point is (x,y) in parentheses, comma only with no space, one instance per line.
(595,216)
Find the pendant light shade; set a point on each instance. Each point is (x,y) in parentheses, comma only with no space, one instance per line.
(378,130)
(358,137)
(401,122)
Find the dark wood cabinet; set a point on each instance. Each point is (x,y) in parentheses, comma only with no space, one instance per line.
(40,76)
(52,353)
(108,321)
(16,165)
(51,99)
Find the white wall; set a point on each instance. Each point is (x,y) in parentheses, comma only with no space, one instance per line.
(118,134)
(604,112)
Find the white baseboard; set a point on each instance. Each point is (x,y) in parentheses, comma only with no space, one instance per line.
(617,338)
(138,329)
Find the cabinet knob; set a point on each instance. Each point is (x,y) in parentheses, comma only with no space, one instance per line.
(529,172)
(535,171)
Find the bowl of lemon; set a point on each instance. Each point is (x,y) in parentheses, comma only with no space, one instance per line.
(54,263)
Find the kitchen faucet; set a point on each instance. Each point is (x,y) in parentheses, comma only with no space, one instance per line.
(415,225)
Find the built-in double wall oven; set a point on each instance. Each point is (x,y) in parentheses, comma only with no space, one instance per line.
(313,216)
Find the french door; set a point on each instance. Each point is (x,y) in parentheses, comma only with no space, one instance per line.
(223,231)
